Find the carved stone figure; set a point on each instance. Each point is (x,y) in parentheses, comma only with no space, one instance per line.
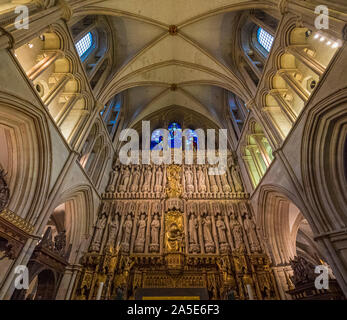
(127,227)
(113,230)
(236,179)
(251,232)
(201,180)
(125,180)
(189,180)
(220,225)
(213,185)
(147,181)
(193,226)
(141,234)
(155,227)
(114,176)
(99,228)
(207,232)
(225,183)
(158,180)
(135,183)
(236,230)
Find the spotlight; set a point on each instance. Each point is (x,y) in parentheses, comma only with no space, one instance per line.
(329,43)
(316,36)
(335,45)
(30,45)
(321,39)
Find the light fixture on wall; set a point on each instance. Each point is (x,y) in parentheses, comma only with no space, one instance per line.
(329,42)
(30,45)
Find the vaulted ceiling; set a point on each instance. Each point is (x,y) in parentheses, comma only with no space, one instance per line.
(174,52)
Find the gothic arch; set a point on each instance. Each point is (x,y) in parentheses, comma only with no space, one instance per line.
(323,146)
(25,137)
(79,217)
(280,213)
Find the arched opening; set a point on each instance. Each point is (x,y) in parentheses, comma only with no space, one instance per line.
(42,287)
(288,237)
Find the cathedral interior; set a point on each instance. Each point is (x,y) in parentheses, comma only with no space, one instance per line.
(78,75)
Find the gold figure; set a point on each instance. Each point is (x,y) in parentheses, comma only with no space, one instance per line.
(174,188)
(174,236)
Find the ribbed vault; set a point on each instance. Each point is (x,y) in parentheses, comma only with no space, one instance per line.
(175,53)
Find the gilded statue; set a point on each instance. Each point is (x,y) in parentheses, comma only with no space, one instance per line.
(174,234)
(174,188)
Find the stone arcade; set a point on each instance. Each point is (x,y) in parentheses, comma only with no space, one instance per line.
(87,226)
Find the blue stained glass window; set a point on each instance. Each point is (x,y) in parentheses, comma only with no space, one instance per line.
(265,39)
(84,44)
(192,140)
(175,138)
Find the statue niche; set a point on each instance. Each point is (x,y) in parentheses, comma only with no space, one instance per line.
(155,231)
(174,235)
(141,234)
(207,232)
(127,228)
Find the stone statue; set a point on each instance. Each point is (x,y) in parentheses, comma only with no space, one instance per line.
(225,183)
(201,180)
(114,176)
(213,184)
(147,182)
(125,180)
(251,232)
(127,227)
(135,183)
(236,230)
(158,180)
(99,228)
(113,230)
(141,234)
(193,227)
(189,180)
(221,230)
(207,232)
(236,179)
(155,226)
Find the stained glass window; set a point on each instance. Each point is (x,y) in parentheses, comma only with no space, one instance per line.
(265,39)
(84,44)
(175,138)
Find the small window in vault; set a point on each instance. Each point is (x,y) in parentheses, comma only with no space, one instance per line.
(265,39)
(84,44)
